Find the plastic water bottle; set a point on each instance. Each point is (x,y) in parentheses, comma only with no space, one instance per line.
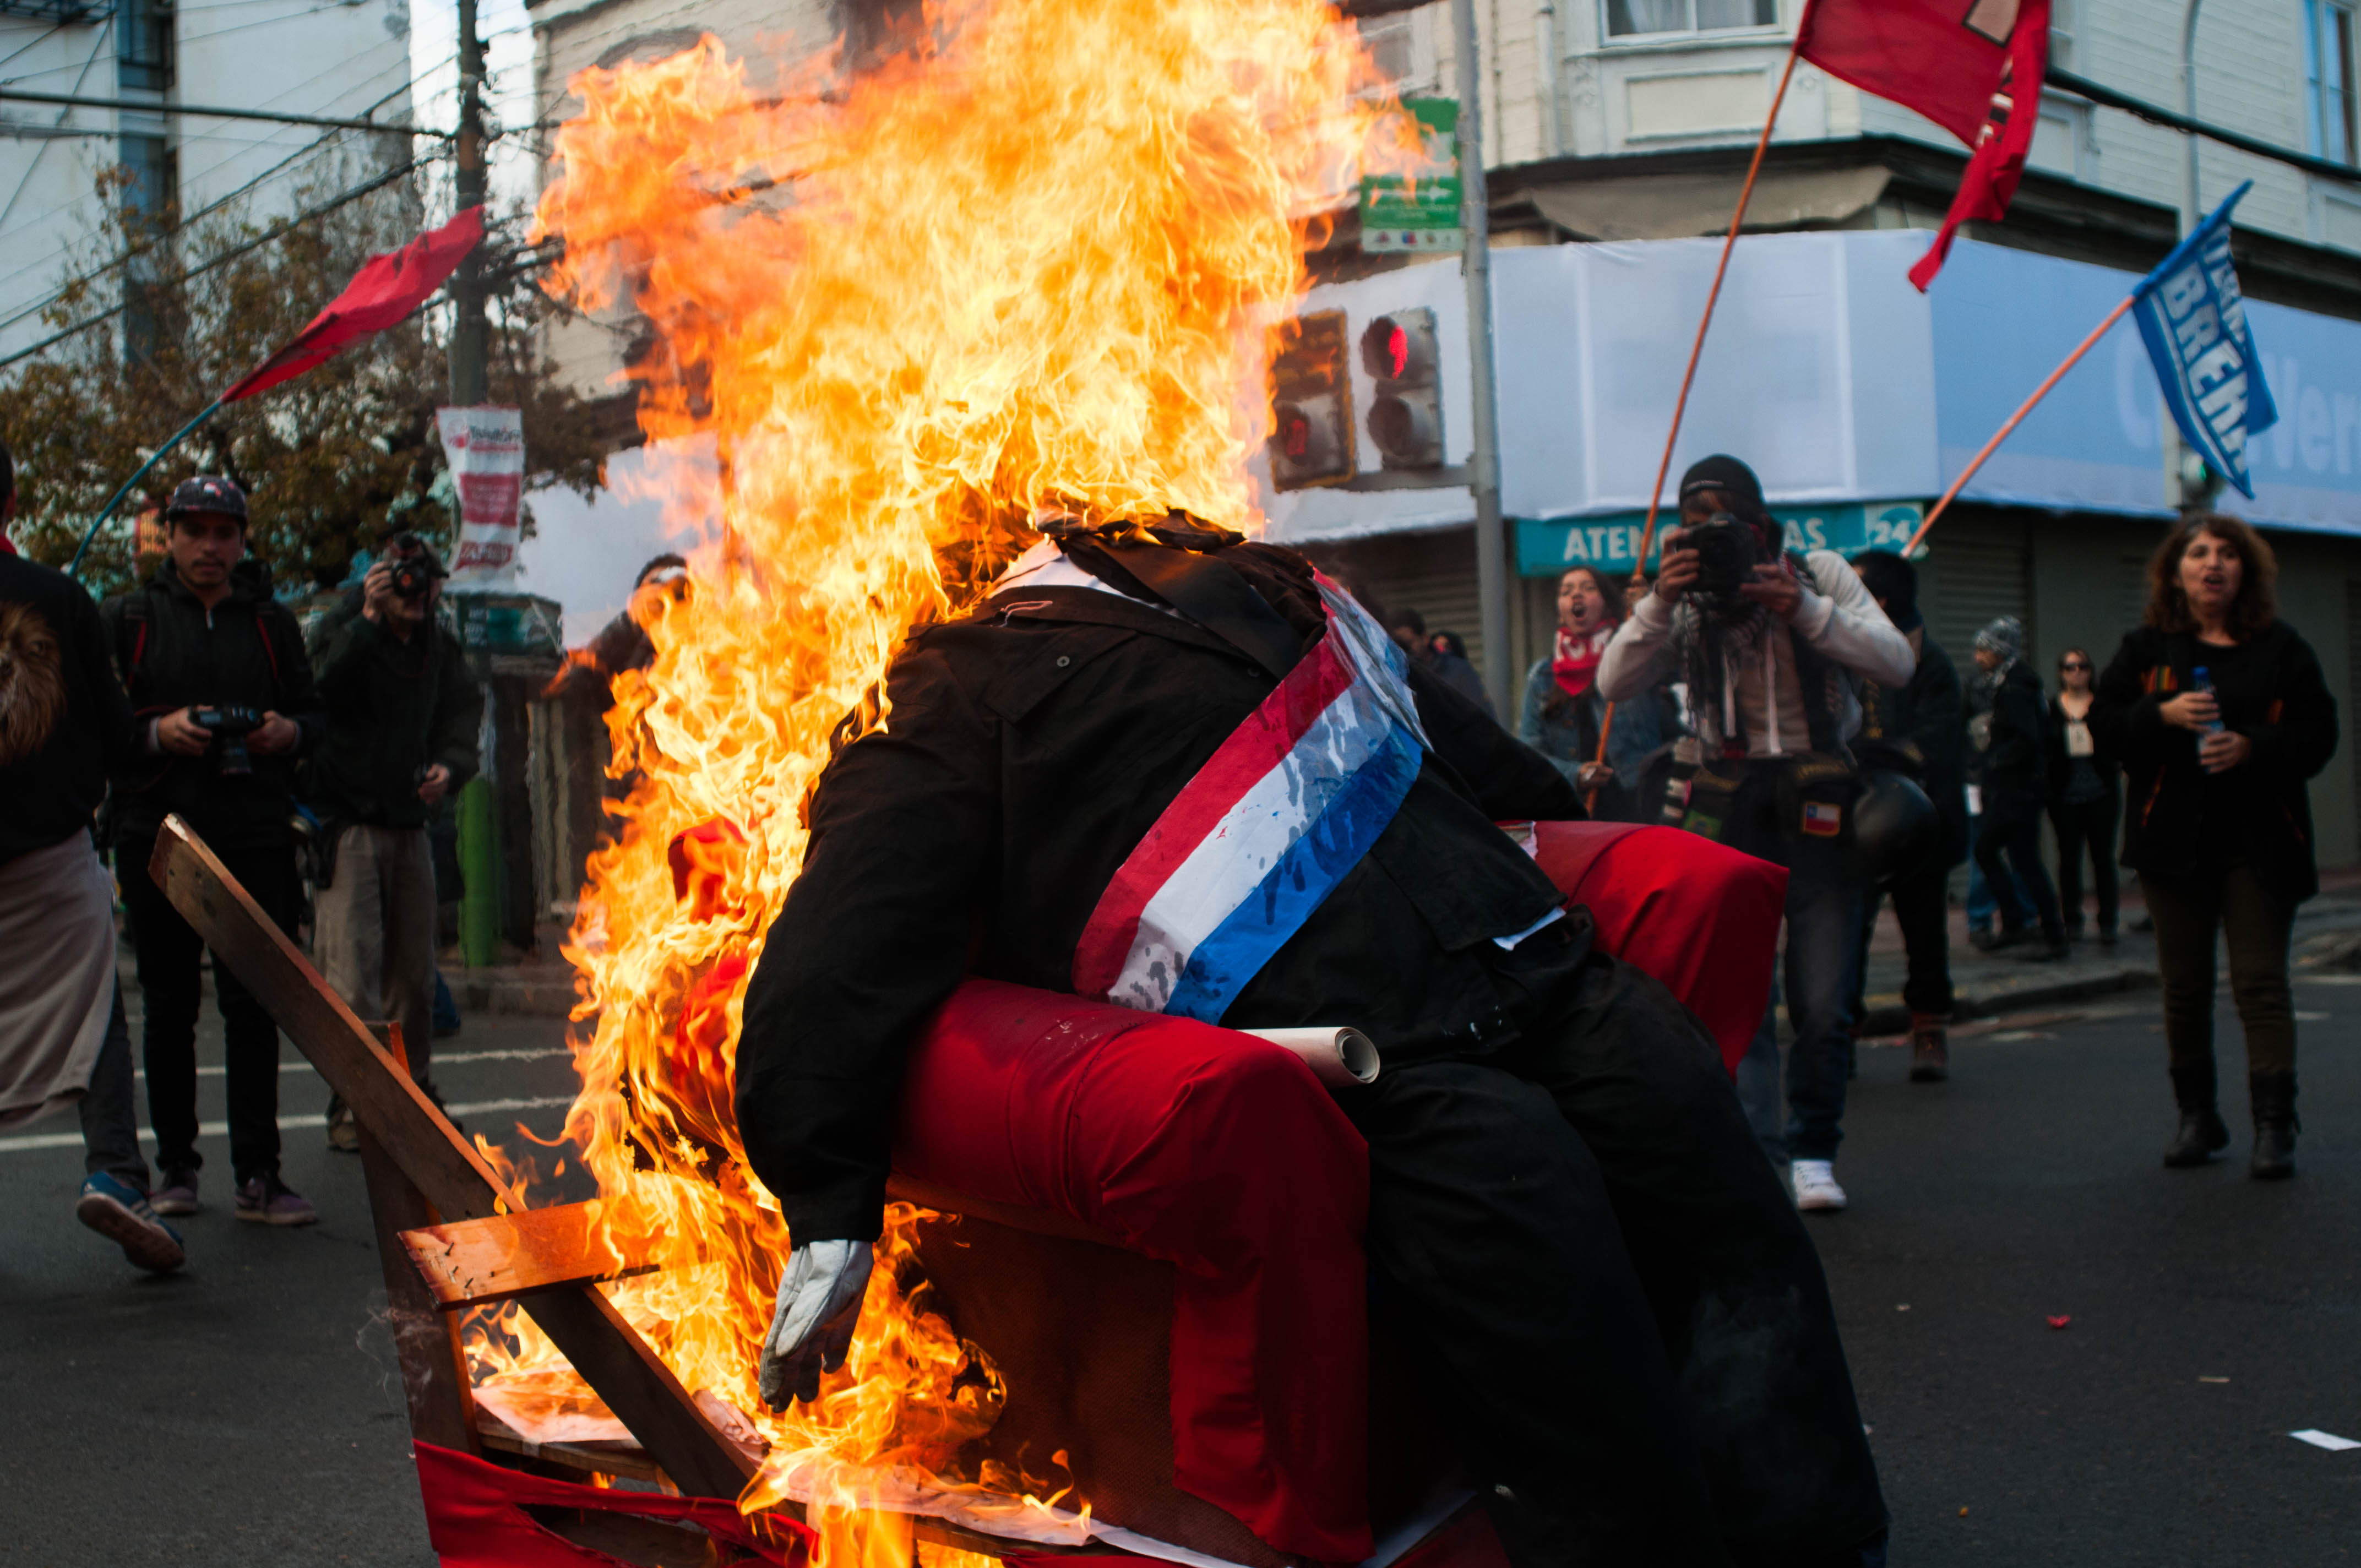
(2201,681)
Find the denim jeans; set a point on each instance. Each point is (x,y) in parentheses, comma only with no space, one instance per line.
(110,1117)
(1817,979)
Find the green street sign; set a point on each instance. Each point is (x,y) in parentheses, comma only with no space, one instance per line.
(1418,213)
(1547,549)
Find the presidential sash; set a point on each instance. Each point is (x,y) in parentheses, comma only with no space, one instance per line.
(1264,832)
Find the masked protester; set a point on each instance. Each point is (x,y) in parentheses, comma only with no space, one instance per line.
(2221,714)
(2010,742)
(1775,646)
(215,667)
(1038,748)
(1565,713)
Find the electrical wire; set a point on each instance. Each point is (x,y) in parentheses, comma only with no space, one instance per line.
(35,43)
(42,151)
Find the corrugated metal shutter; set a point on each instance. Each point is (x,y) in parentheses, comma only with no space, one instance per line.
(1447,599)
(1967,583)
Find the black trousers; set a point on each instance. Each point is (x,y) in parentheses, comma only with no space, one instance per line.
(1611,1282)
(1921,907)
(170,990)
(2087,828)
(2012,828)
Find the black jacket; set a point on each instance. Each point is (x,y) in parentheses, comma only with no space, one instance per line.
(1926,723)
(2013,763)
(1031,747)
(2277,697)
(394,707)
(64,721)
(244,652)
(2103,750)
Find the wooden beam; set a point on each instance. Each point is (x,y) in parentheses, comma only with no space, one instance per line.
(502,1256)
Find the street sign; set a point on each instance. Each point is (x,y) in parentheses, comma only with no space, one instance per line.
(1418,211)
(1547,549)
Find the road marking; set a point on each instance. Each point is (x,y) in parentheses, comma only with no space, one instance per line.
(2327,1439)
(221,1129)
(440,1058)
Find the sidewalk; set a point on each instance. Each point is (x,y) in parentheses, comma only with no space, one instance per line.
(1990,984)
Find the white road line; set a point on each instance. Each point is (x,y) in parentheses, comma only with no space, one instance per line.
(221,1129)
(441,1058)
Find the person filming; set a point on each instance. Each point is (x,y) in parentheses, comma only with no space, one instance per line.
(215,667)
(1775,646)
(2220,714)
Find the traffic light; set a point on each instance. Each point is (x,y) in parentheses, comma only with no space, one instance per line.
(1312,405)
(1406,420)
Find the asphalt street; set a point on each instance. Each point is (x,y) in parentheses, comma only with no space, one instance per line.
(248,1412)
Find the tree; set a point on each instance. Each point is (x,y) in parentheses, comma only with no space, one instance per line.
(334,461)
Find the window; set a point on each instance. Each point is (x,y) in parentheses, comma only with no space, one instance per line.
(2328,78)
(153,174)
(143,33)
(1626,18)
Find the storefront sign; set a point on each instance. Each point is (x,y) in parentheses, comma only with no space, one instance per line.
(1546,549)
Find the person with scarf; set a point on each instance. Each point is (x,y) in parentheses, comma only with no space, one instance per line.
(2011,740)
(1775,672)
(1563,713)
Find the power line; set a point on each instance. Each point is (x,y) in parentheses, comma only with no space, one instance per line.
(169,111)
(2082,86)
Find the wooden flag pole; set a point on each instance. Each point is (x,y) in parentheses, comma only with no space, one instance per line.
(2016,419)
(1697,349)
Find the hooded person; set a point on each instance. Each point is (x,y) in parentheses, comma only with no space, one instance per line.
(1015,821)
(2009,737)
(1775,645)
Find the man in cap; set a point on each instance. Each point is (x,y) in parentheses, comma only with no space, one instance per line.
(2007,740)
(402,717)
(216,672)
(1774,647)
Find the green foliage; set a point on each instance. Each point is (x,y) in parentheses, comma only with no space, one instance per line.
(333,461)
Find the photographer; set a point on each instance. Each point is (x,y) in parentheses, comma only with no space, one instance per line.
(1775,648)
(217,673)
(402,717)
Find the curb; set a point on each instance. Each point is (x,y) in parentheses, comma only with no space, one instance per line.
(1995,999)
(477,992)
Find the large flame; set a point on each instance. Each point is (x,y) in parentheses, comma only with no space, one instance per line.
(1029,260)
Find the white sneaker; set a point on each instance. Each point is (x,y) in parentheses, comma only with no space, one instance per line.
(1816,1184)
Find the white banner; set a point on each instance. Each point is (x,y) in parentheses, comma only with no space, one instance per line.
(485,448)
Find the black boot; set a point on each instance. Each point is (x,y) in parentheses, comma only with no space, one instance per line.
(2273,1097)
(2201,1132)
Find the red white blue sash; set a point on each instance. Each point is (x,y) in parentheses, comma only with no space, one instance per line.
(1266,830)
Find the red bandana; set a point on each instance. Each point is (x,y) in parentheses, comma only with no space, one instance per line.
(1577,663)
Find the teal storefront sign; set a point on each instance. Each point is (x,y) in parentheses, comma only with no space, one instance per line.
(1547,549)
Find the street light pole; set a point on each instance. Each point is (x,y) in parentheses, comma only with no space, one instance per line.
(469,350)
(2192,212)
(1475,267)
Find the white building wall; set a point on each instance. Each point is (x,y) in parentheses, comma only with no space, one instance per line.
(349,58)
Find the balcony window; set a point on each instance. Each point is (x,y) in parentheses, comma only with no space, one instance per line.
(1634,18)
(2328,79)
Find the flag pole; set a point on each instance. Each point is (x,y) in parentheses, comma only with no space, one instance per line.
(1697,348)
(75,567)
(2018,418)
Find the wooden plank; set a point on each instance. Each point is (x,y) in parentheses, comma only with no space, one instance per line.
(502,1256)
(426,1342)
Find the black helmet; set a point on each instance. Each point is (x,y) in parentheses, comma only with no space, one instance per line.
(206,493)
(1896,828)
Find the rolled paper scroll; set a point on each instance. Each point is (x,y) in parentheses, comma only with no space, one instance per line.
(1338,1056)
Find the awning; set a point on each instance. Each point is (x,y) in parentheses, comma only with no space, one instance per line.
(1680,206)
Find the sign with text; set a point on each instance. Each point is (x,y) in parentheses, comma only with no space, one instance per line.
(1418,210)
(1548,549)
(485,448)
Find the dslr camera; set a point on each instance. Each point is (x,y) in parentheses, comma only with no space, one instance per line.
(229,727)
(1727,550)
(411,575)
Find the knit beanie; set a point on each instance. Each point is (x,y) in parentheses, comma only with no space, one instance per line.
(2004,636)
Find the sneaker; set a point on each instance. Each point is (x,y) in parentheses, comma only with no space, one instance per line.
(344,1133)
(177,1195)
(122,1213)
(272,1202)
(1816,1184)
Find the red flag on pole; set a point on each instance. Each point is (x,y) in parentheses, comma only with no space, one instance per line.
(383,291)
(1976,74)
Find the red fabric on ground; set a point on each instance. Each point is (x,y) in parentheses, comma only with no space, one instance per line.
(475,1518)
(1110,1116)
(1702,918)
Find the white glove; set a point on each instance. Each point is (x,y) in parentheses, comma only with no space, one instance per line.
(811,1332)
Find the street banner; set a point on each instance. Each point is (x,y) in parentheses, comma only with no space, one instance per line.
(485,448)
(2194,321)
(1418,211)
(1968,73)
(387,288)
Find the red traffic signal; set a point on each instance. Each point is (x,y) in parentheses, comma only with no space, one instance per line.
(1312,405)
(1406,418)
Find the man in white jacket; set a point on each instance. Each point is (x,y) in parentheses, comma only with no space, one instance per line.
(1773,660)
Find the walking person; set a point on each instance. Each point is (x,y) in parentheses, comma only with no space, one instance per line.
(2009,902)
(2012,743)
(2085,798)
(215,668)
(1564,711)
(2220,713)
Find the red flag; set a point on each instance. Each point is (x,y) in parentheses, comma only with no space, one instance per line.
(1977,75)
(385,290)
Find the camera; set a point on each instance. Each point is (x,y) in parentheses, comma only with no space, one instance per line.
(411,575)
(1727,550)
(229,727)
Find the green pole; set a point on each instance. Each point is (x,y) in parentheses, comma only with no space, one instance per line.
(480,867)
(74,567)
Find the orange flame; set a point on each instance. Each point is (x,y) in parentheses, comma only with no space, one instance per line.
(1030,262)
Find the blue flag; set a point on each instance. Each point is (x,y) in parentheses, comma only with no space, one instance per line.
(2194,321)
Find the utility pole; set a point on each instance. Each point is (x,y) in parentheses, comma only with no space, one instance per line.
(1476,267)
(469,350)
